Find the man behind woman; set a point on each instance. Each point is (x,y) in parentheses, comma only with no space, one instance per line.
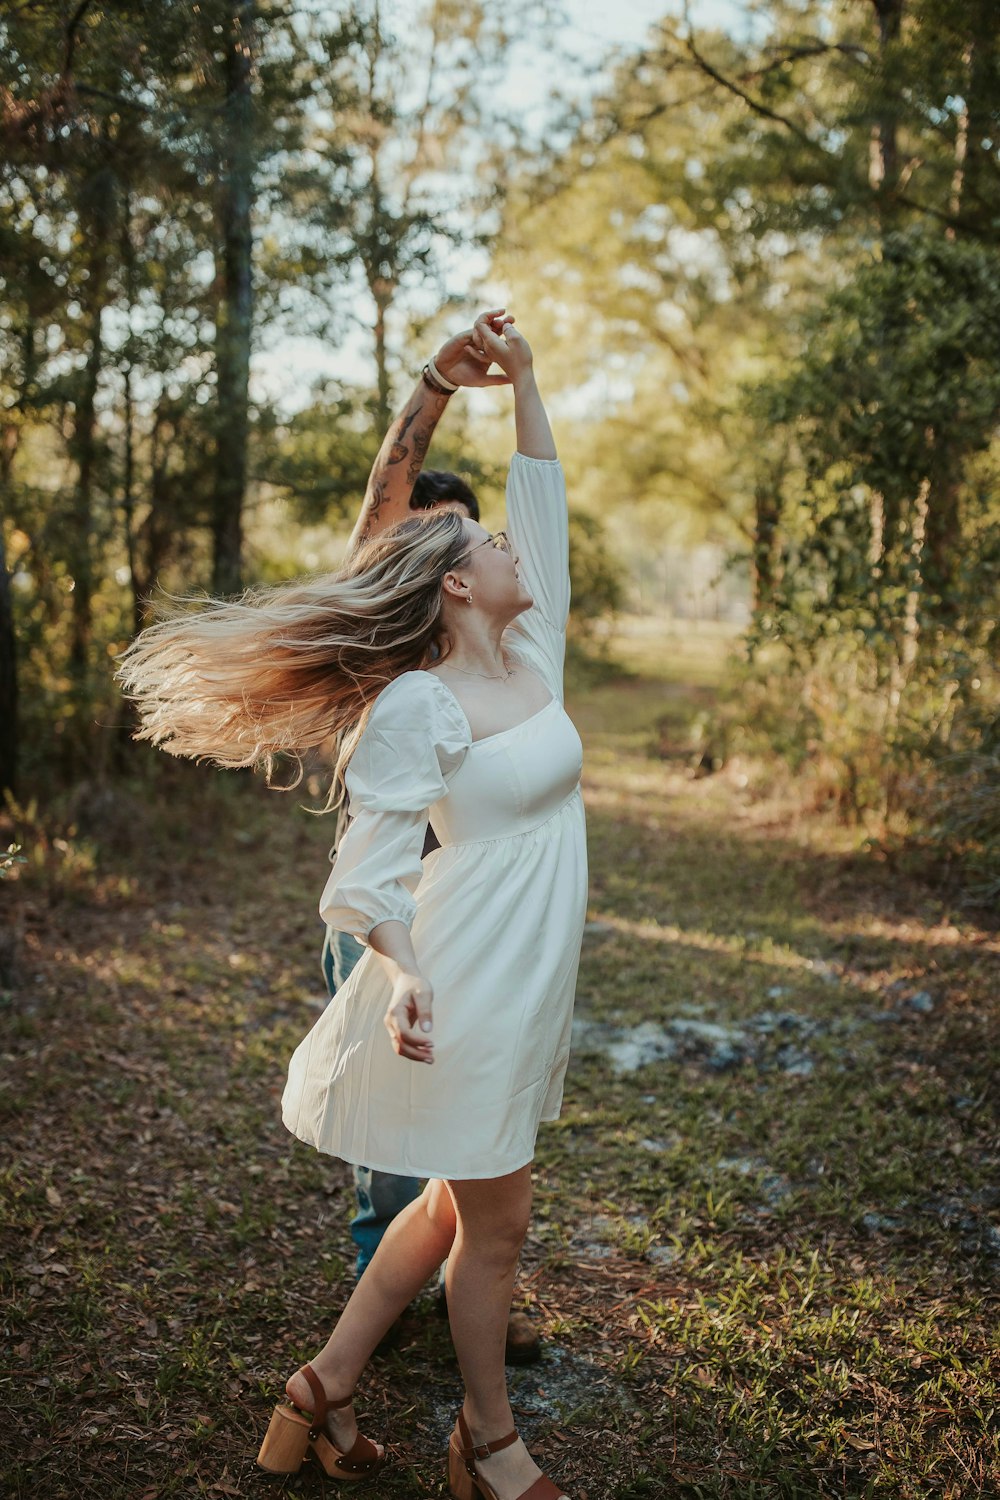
(437,651)
(397,486)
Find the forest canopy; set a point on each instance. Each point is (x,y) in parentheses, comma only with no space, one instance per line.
(759,264)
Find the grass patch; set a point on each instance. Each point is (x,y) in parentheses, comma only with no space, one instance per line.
(767,1231)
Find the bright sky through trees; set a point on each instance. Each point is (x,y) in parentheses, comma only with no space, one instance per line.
(286,372)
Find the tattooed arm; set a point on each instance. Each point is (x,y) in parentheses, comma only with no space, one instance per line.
(399,461)
(404,448)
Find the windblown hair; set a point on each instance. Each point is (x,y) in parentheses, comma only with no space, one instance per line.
(281,670)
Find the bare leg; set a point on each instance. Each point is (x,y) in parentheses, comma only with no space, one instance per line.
(492,1220)
(412,1248)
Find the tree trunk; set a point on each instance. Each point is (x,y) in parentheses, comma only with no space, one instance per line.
(883,161)
(961,151)
(10,440)
(83,447)
(8,680)
(97,200)
(384,412)
(128,419)
(944,545)
(234,315)
(376,245)
(908,638)
(158,522)
(973,194)
(767,513)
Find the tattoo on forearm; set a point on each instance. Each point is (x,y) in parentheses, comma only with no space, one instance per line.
(373,504)
(421,443)
(399,449)
(406,440)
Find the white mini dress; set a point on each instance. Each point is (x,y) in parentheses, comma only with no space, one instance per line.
(496,913)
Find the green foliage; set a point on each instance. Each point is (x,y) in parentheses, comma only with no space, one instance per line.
(10,857)
(803,209)
(885,572)
(596,576)
(895,394)
(123,432)
(320,457)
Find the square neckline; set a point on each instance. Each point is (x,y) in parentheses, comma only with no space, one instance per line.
(499,733)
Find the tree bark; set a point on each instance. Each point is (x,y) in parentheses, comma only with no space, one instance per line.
(10,441)
(883,158)
(8,680)
(944,543)
(767,513)
(83,447)
(97,200)
(383,300)
(128,418)
(972,205)
(234,317)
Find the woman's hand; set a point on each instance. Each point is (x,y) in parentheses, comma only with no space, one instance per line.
(408,1018)
(505,347)
(462,362)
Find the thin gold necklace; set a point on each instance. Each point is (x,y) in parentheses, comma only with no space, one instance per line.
(489,676)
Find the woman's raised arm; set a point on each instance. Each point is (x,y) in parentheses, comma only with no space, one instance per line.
(512,353)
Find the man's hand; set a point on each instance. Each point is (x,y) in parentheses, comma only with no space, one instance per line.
(462,360)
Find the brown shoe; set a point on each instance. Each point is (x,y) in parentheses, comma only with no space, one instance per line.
(292,1433)
(524,1346)
(466,1483)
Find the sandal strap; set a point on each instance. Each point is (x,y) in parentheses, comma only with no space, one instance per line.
(481,1450)
(321,1401)
(543,1489)
(360,1456)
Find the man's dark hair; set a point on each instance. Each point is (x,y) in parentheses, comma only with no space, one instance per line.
(436,485)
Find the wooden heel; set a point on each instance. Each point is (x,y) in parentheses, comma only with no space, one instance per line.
(461,1484)
(285,1442)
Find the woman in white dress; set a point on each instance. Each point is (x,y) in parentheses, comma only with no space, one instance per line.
(472,953)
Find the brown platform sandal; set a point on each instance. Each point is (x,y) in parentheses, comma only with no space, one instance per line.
(291,1433)
(463,1480)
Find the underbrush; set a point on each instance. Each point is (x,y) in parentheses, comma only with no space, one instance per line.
(919,778)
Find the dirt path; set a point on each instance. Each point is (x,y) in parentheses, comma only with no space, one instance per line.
(767,1230)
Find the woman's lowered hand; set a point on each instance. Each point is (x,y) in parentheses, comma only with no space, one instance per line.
(409,1018)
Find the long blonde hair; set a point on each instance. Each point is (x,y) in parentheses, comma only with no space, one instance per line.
(281,670)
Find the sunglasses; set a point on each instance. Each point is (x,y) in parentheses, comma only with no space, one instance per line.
(499,539)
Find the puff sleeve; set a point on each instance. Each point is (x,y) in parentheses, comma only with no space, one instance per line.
(537,524)
(415,738)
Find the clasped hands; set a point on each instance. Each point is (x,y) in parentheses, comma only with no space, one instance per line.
(465,359)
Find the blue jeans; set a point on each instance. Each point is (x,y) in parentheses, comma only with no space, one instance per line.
(341,952)
(381,1195)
